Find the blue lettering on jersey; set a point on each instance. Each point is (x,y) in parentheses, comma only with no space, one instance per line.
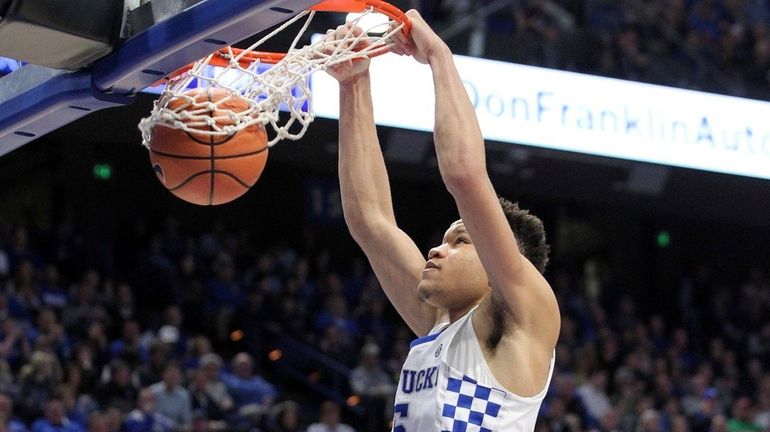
(418,380)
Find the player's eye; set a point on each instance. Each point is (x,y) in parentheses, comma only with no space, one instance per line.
(460,240)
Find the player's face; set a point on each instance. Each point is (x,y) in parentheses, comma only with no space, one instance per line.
(453,277)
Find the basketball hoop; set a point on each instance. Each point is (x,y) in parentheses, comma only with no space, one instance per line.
(242,73)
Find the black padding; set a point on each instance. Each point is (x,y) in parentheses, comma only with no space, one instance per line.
(4,5)
(61,34)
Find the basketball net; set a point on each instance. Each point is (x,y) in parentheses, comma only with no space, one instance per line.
(285,84)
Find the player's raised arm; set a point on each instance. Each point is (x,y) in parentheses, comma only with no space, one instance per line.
(515,282)
(366,199)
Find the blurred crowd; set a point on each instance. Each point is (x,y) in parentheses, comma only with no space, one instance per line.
(703,369)
(177,337)
(715,45)
(172,340)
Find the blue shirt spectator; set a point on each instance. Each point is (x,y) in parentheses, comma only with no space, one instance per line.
(55,420)
(130,347)
(52,293)
(223,287)
(144,418)
(245,387)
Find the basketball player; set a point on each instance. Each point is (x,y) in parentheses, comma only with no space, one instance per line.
(487,319)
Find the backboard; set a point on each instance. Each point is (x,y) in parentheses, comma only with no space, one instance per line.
(158,37)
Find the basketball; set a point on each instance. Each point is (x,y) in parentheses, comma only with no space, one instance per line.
(207,169)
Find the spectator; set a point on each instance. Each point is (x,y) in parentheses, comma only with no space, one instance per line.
(594,396)
(285,418)
(114,418)
(39,379)
(49,332)
(329,420)
(203,405)
(77,315)
(763,408)
(718,424)
(14,346)
(173,332)
(96,338)
(251,393)
(336,315)
(372,317)
(74,411)
(21,248)
(130,348)
(679,424)
(145,418)
(197,348)
(701,420)
(12,423)
(253,317)
(649,421)
(52,292)
(55,419)
(152,371)
(202,424)
(171,399)
(124,307)
(742,418)
(225,293)
(375,387)
(565,389)
(98,422)
(24,293)
(336,345)
(83,370)
(212,364)
(119,390)
(610,422)
(556,417)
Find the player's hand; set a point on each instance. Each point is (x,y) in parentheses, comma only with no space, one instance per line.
(422,43)
(347,35)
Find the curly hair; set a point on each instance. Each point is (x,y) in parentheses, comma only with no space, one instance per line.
(529,232)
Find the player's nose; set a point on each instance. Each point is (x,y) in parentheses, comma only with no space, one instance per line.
(436,252)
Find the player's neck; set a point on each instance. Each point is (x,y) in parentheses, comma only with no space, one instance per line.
(456,314)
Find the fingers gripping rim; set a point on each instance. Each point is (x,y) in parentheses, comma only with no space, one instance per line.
(345,6)
(222,57)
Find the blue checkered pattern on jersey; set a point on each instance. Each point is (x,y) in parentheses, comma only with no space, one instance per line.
(469,406)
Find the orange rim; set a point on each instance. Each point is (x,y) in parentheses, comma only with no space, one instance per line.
(222,57)
(380,6)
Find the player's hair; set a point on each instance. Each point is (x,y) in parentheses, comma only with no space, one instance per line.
(529,232)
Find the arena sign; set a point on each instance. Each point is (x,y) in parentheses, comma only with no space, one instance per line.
(577,113)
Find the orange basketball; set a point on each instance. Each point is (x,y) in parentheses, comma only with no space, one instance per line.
(209,169)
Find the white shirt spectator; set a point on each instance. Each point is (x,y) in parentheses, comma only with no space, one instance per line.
(329,420)
(593,395)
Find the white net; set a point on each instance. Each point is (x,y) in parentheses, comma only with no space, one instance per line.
(267,88)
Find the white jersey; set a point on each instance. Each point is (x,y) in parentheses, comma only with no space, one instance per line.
(446,385)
